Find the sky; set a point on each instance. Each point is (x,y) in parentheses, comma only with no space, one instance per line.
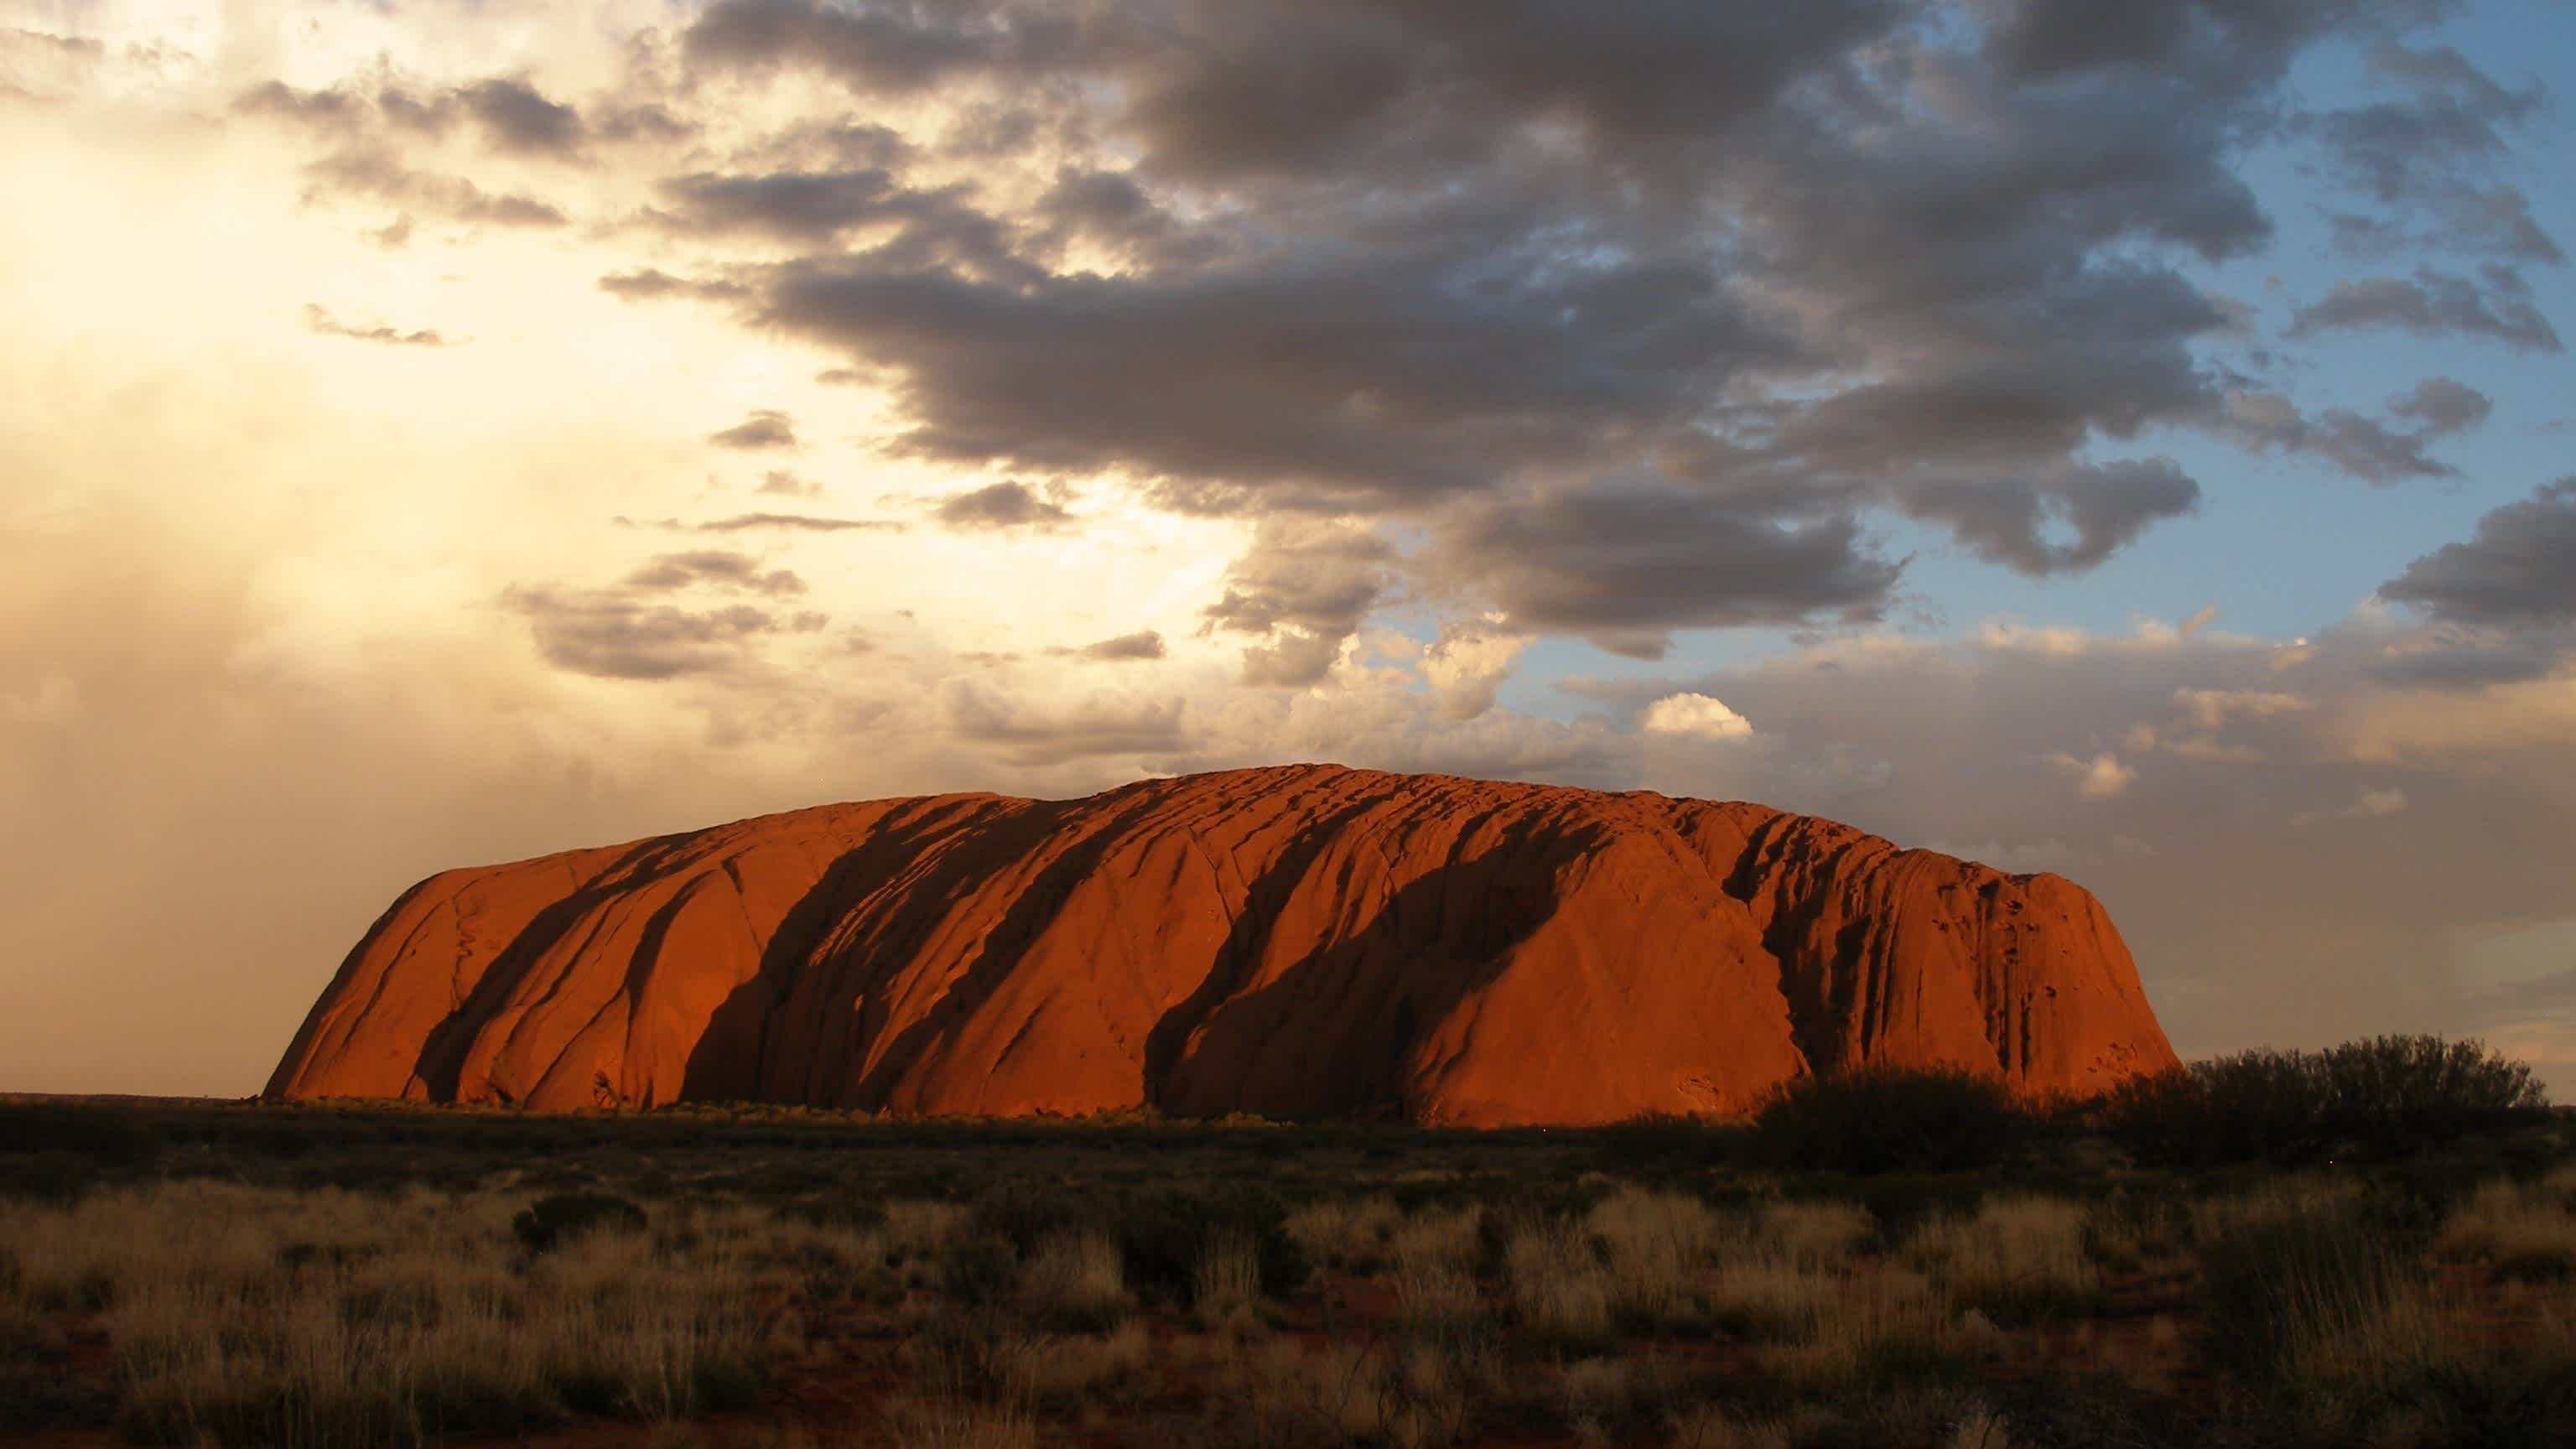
(2130,441)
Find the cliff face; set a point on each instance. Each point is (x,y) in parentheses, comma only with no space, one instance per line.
(1299,941)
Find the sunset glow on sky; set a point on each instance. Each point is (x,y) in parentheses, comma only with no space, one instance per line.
(2126,441)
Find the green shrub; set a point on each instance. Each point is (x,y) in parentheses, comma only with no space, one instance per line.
(554,1220)
(1889,1120)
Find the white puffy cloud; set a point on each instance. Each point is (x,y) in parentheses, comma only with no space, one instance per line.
(1694,716)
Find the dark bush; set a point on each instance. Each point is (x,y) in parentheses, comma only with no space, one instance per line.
(2384,1096)
(1029,1213)
(1162,1234)
(979,1269)
(550,1222)
(99,1131)
(1657,1142)
(1889,1120)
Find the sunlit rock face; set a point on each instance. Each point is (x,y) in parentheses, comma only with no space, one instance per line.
(1301,941)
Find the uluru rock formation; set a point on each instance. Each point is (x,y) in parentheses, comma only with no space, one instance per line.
(1299,941)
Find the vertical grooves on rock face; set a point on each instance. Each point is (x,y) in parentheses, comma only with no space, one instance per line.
(1298,940)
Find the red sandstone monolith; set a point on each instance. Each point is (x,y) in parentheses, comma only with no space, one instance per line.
(1298,941)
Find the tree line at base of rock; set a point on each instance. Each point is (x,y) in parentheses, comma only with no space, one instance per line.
(2378,1098)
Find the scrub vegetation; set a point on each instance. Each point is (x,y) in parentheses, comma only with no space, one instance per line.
(1984,1276)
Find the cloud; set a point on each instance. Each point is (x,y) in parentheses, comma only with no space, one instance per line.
(318,319)
(673,571)
(2433,304)
(1027,735)
(797,523)
(1001,505)
(378,174)
(765,428)
(2519,567)
(2098,778)
(1694,716)
(651,284)
(1467,665)
(2416,159)
(2105,506)
(1304,584)
(1624,566)
(870,46)
(610,634)
(1143,644)
(2443,405)
(781,482)
(520,118)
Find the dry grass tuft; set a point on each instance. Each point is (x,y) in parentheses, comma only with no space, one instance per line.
(1560,1293)
(1350,1235)
(1226,1283)
(2019,1257)
(243,1316)
(1815,1235)
(1076,1283)
(1060,1371)
(2526,1232)
(918,1424)
(1709,1427)
(1657,1243)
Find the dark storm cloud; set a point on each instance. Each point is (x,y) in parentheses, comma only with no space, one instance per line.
(2434,304)
(611,634)
(1623,566)
(1383,374)
(674,571)
(2476,659)
(2055,38)
(2517,568)
(767,428)
(1001,505)
(808,206)
(518,117)
(935,228)
(798,523)
(1317,89)
(318,319)
(1452,266)
(886,47)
